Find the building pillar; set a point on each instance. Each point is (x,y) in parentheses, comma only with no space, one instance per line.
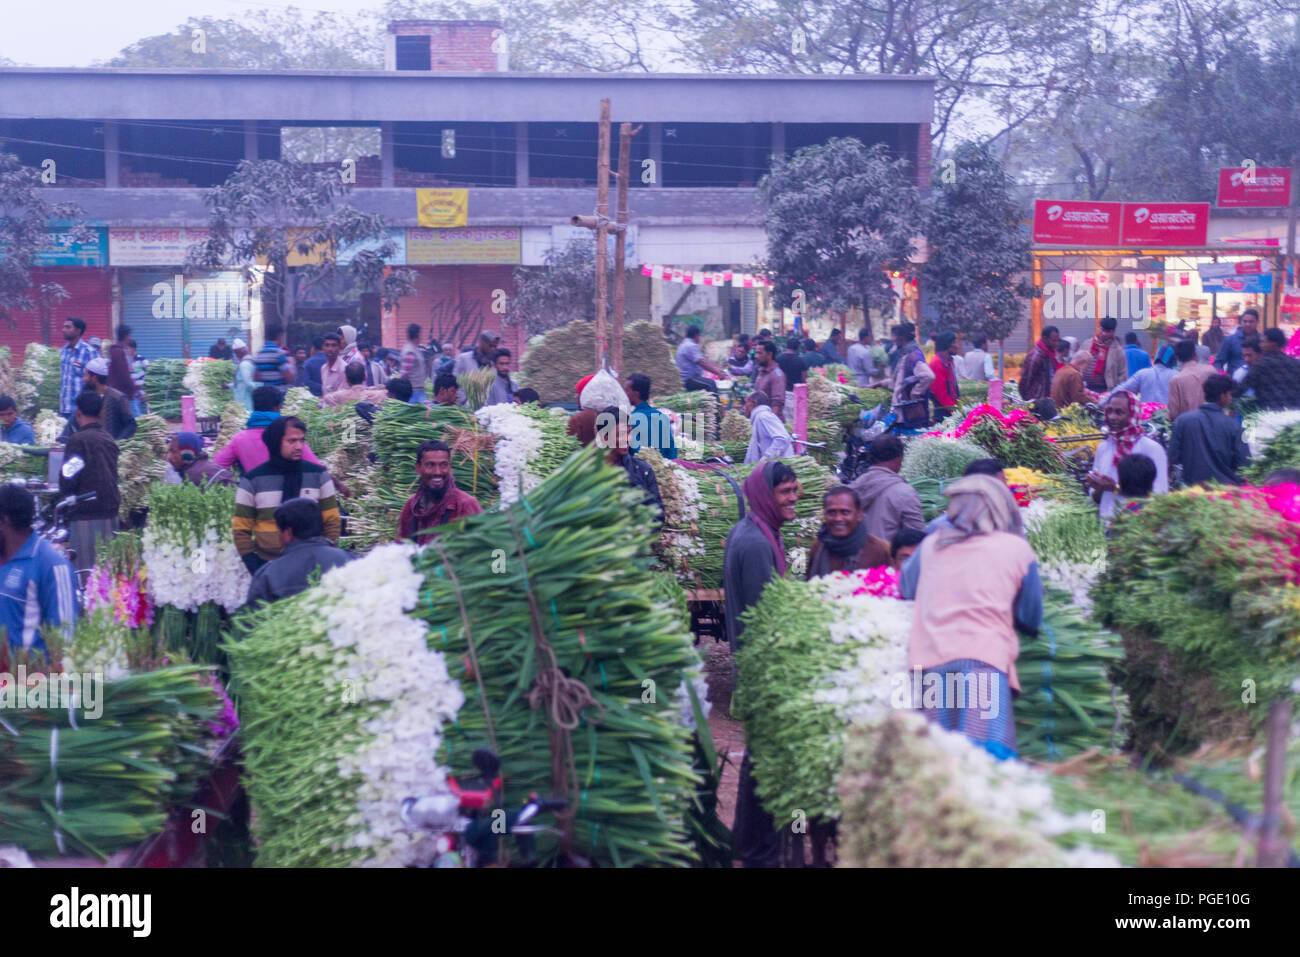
(112,154)
(250,140)
(657,153)
(521,156)
(386,177)
(778,139)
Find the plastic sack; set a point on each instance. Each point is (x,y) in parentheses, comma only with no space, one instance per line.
(603,391)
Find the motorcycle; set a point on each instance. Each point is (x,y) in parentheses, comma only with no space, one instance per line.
(468,819)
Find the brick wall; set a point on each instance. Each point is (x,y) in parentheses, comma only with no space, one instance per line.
(455,46)
(923,154)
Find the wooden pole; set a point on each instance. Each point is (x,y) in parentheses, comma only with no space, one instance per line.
(602,216)
(1272,849)
(625,134)
(1035,310)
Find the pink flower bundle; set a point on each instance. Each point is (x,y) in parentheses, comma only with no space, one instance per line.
(1008,421)
(227,722)
(124,595)
(881,581)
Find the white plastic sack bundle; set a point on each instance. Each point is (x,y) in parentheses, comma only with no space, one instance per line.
(602,392)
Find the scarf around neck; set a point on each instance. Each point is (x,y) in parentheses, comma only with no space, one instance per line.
(844,547)
(766,513)
(291,471)
(260,420)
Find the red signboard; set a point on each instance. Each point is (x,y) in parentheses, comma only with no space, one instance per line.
(1250,186)
(1076,224)
(1165,224)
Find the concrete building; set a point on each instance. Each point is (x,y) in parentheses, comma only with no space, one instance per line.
(137,148)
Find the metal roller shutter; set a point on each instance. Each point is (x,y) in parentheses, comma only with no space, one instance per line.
(156,337)
(225,310)
(90,297)
(442,316)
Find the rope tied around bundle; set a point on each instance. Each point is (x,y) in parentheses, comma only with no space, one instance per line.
(562,699)
(470,442)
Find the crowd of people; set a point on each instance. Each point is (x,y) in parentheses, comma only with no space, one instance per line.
(289,509)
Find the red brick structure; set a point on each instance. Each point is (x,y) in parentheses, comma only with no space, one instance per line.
(454,45)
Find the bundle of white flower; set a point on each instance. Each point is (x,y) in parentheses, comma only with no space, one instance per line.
(48,427)
(37,360)
(189,550)
(1070,545)
(915,795)
(519,441)
(343,709)
(816,656)
(1262,428)
(679,490)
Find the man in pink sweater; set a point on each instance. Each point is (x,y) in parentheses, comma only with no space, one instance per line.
(974,581)
(247,447)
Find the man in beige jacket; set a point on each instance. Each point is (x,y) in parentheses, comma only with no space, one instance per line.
(1186,390)
(1104,374)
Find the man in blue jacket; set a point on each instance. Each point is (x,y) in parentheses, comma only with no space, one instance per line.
(12,428)
(36,581)
(1230,359)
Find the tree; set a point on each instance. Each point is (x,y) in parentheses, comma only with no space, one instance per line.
(558,292)
(25,220)
(1001,53)
(249,217)
(978,250)
(838,217)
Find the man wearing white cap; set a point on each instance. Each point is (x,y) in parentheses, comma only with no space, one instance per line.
(244,369)
(115,413)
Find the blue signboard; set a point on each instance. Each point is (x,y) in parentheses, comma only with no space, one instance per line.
(64,250)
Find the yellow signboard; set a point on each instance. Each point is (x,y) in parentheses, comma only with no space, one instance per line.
(442,207)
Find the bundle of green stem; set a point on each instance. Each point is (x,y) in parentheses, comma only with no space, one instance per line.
(1067,703)
(556,360)
(735,427)
(477,385)
(701,405)
(340,438)
(109,781)
(399,429)
(141,462)
(1163,823)
(17,466)
(233,419)
(575,544)
(210,381)
(693,546)
(163,387)
(38,380)
(828,434)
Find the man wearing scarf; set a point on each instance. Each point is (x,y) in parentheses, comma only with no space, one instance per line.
(963,645)
(246,447)
(1123,438)
(1109,363)
(350,352)
(438,500)
(284,476)
(843,543)
(1040,365)
(755,554)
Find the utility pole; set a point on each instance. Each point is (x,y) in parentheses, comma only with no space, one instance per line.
(602,219)
(625,134)
(602,226)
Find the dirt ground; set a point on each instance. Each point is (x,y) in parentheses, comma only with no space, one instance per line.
(728,734)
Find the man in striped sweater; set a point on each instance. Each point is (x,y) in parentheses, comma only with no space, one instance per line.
(282,477)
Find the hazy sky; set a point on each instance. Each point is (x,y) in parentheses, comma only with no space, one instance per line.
(79,32)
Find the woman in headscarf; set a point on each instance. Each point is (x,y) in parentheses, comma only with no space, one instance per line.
(754,555)
(975,582)
(349,353)
(944,387)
